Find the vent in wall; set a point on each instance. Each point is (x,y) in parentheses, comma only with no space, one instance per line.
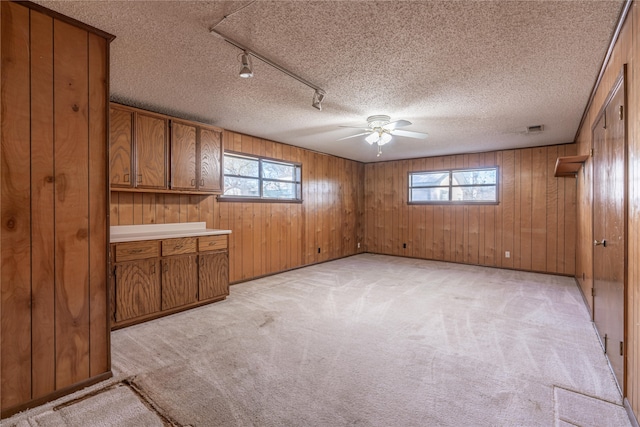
(535,129)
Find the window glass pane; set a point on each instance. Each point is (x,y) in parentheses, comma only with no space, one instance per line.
(272,170)
(279,190)
(430,194)
(241,186)
(240,166)
(429,179)
(474,177)
(474,194)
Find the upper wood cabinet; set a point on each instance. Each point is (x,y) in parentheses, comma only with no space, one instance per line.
(210,156)
(195,157)
(153,152)
(138,144)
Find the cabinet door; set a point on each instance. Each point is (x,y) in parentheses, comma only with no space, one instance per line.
(213,274)
(121,132)
(151,152)
(137,289)
(210,160)
(183,156)
(179,281)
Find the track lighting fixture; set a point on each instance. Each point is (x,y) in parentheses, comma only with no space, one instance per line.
(318,96)
(246,71)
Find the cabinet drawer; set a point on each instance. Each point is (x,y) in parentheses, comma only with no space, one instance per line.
(179,246)
(212,243)
(136,250)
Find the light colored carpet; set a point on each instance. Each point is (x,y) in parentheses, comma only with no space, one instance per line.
(375,340)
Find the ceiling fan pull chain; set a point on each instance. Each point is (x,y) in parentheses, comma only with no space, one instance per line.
(379,150)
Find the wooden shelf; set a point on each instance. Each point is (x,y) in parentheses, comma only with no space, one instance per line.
(569,166)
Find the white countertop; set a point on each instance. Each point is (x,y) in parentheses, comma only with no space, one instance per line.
(132,233)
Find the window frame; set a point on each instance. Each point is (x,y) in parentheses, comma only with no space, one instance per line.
(450,187)
(260,199)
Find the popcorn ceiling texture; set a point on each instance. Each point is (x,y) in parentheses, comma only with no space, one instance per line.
(472,74)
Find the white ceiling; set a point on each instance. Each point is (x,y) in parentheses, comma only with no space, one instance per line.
(471,74)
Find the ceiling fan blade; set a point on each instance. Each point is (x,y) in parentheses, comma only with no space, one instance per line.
(396,124)
(410,134)
(353,136)
(356,127)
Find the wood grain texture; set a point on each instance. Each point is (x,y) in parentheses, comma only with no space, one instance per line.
(137,289)
(186,245)
(15,309)
(210,158)
(129,251)
(472,234)
(121,146)
(183,156)
(71,203)
(213,275)
(151,151)
(99,350)
(42,206)
(179,281)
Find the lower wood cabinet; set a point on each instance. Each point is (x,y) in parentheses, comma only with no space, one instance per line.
(179,281)
(157,277)
(137,290)
(213,275)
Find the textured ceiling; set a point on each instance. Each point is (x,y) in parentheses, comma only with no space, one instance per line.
(471,74)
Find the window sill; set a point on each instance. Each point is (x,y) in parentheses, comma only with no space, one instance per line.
(255,200)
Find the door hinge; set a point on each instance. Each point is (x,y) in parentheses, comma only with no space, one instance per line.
(606,338)
(593,292)
(621,348)
(621,112)
(591,152)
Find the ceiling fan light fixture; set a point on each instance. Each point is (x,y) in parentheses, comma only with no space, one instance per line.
(246,70)
(372,138)
(318,97)
(384,138)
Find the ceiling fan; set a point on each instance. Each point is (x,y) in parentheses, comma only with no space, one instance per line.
(380,130)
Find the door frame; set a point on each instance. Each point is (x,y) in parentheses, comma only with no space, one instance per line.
(620,83)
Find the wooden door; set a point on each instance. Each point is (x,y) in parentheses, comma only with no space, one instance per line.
(151,151)
(121,140)
(210,160)
(213,275)
(137,289)
(183,156)
(609,229)
(179,281)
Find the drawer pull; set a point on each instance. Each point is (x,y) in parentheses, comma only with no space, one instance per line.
(135,251)
(178,247)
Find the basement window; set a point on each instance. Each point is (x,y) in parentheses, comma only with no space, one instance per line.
(455,186)
(251,178)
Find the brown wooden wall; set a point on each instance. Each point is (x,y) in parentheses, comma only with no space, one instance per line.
(626,51)
(269,237)
(534,221)
(53,136)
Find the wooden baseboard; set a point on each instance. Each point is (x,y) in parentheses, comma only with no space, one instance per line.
(6,413)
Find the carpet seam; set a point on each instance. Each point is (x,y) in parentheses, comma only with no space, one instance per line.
(587,395)
(150,404)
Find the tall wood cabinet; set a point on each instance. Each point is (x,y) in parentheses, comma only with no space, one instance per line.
(54,330)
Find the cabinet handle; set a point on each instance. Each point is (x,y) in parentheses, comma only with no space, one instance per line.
(126,177)
(193,182)
(166,268)
(153,269)
(202,182)
(140,179)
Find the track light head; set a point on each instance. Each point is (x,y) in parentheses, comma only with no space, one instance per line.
(246,71)
(318,97)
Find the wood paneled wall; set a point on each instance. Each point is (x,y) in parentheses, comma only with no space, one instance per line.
(626,51)
(269,237)
(535,220)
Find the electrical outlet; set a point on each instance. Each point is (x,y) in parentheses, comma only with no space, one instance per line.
(507,254)
(358,245)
